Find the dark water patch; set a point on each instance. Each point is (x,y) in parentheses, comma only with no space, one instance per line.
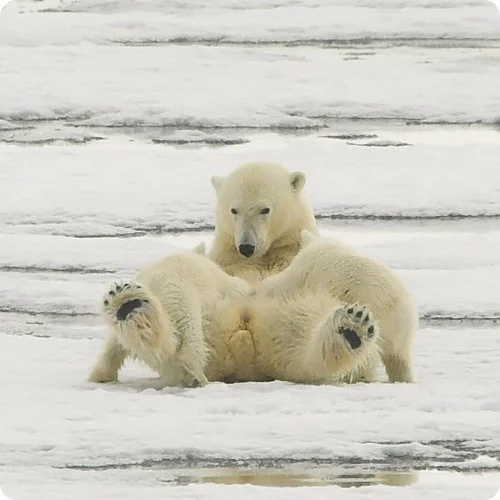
(349,137)
(39,130)
(50,141)
(398,122)
(209,141)
(116,234)
(465,321)
(156,229)
(56,11)
(184,124)
(9,128)
(451,216)
(446,455)
(322,43)
(46,314)
(380,144)
(64,270)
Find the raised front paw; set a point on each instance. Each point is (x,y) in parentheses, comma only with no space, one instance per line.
(356,325)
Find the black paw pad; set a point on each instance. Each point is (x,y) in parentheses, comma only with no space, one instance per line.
(367,318)
(106,303)
(112,293)
(118,288)
(371,331)
(127,307)
(359,314)
(350,310)
(351,336)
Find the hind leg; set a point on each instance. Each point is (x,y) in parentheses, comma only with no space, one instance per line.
(398,367)
(109,363)
(139,321)
(166,335)
(311,338)
(139,327)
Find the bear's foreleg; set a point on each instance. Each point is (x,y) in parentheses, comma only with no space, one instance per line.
(186,316)
(109,362)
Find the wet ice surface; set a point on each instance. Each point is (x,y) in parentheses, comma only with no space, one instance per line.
(113,117)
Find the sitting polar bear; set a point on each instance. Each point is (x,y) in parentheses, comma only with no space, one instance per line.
(261,209)
(192,323)
(327,264)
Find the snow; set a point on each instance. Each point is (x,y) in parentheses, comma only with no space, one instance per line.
(420,181)
(113,118)
(138,425)
(227,67)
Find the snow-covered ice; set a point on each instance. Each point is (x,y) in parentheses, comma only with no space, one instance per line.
(225,63)
(344,179)
(113,117)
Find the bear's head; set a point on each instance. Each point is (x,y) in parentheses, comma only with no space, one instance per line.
(258,204)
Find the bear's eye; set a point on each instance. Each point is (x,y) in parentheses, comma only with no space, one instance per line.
(234,211)
(265,211)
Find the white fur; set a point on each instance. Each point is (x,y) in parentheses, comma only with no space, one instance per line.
(328,265)
(249,190)
(200,248)
(192,323)
(177,295)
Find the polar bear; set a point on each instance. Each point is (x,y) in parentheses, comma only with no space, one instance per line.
(328,264)
(193,323)
(261,209)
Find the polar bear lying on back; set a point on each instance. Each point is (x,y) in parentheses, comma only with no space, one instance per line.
(192,323)
(327,264)
(159,317)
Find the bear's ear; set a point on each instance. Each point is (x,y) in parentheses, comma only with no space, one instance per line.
(200,248)
(297,181)
(217,182)
(306,237)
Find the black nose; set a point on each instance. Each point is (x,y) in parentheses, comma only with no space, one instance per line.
(246,250)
